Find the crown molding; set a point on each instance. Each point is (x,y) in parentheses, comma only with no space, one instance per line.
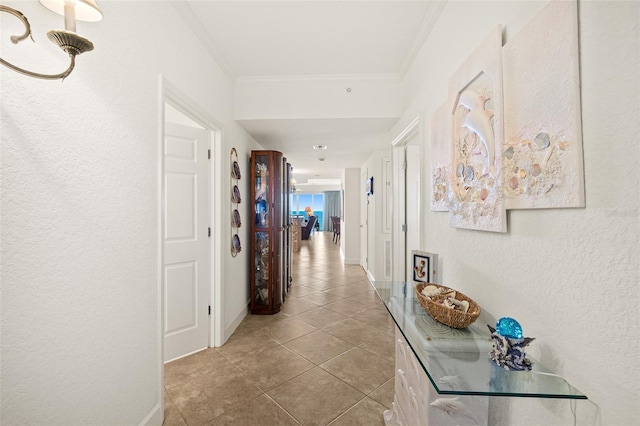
(193,22)
(425,29)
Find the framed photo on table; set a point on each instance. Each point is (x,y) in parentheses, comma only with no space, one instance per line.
(424,267)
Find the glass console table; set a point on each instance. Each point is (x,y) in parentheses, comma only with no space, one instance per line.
(457,360)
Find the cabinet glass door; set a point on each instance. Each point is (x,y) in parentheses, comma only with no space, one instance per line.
(262,191)
(262,266)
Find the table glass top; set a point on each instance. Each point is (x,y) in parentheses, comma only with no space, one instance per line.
(457,360)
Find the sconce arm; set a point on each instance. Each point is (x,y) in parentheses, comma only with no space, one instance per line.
(25,21)
(27,33)
(62,75)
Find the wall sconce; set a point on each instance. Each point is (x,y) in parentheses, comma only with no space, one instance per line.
(67,39)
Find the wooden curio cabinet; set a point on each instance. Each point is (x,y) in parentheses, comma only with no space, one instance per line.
(270,252)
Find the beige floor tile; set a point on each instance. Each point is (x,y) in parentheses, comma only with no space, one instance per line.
(316,397)
(377,317)
(267,373)
(346,307)
(322,298)
(252,323)
(381,344)
(288,329)
(352,331)
(365,413)
(239,346)
(366,293)
(259,411)
(366,302)
(300,291)
(385,393)
(272,367)
(320,317)
(189,367)
(360,369)
(303,280)
(319,346)
(172,416)
(346,291)
(321,285)
(205,397)
(297,305)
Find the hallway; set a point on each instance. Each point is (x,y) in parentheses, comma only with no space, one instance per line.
(326,358)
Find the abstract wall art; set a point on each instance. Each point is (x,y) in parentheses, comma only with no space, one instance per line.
(542,150)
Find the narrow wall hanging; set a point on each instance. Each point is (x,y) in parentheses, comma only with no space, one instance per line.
(235,200)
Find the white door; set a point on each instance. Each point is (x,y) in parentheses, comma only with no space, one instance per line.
(399,217)
(186,284)
(406,223)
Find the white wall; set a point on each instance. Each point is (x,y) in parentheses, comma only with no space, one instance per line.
(569,276)
(81,340)
(350,230)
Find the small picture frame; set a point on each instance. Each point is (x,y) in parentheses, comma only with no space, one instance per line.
(425,267)
(369,186)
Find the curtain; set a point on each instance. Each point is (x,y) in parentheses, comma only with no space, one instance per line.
(332,207)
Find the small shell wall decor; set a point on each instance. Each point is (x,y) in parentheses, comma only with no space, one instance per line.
(236,199)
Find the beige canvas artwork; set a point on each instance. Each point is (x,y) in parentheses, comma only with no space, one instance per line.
(542,150)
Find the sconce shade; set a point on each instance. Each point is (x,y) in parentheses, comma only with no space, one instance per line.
(86,10)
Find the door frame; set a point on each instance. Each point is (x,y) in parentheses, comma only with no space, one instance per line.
(169,93)
(398,236)
(364,223)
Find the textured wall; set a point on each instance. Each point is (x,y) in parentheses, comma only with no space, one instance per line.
(80,205)
(570,276)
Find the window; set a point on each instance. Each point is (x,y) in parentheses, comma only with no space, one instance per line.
(299,203)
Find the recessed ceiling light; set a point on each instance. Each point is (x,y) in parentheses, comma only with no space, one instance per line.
(319,147)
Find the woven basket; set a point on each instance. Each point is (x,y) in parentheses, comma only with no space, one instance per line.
(445,315)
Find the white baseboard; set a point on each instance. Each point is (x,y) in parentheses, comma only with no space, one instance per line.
(156,415)
(229,329)
(351,261)
(370,277)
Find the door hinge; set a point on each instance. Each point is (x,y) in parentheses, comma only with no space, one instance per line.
(404,164)
(404,227)
(209,231)
(209,309)
(209,154)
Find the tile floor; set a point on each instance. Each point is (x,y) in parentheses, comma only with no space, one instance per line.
(326,358)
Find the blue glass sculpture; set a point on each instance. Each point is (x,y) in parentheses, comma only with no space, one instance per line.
(508,327)
(508,345)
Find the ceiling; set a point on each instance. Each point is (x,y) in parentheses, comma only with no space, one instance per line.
(313,39)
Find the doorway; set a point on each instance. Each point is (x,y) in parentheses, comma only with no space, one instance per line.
(189,254)
(364,222)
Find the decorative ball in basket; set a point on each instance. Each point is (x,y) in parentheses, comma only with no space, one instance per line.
(447,306)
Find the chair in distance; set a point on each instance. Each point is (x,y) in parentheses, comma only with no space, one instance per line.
(335,224)
(307,230)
